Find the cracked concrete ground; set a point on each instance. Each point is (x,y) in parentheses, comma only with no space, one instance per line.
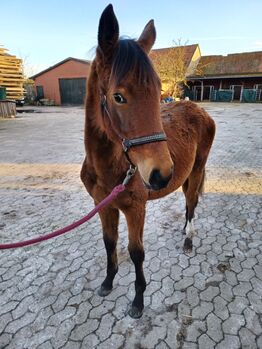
(48,292)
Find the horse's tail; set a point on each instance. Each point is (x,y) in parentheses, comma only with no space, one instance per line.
(202,183)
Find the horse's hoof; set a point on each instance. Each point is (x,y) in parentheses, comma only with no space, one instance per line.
(103,291)
(187,250)
(188,246)
(135,312)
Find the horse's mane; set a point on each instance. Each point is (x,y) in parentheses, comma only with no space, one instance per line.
(130,60)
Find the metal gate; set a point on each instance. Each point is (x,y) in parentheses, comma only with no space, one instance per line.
(72,91)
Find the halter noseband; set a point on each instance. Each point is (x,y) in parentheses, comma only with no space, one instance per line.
(129,143)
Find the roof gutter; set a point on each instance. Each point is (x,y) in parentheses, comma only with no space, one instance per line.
(223,77)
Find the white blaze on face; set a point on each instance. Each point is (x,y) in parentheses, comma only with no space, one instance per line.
(190,230)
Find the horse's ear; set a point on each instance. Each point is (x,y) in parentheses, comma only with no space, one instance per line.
(148,36)
(108,31)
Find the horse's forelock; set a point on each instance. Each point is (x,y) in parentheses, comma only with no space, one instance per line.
(130,60)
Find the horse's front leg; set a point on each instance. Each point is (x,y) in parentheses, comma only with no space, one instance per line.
(109,218)
(135,217)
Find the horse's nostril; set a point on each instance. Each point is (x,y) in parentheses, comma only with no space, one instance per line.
(157,181)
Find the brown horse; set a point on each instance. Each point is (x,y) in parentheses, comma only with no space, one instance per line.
(168,146)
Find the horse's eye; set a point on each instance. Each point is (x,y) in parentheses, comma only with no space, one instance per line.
(119,98)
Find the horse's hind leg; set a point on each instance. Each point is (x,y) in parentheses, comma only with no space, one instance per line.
(185,187)
(192,188)
(109,218)
(135,217)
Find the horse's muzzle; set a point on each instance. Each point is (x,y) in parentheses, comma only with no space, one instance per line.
(157,181)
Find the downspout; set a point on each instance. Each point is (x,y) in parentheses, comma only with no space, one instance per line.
(202,90)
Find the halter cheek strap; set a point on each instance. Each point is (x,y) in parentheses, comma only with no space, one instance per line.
(129,143)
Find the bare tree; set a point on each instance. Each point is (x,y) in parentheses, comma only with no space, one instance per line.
(171,66)
(28,84)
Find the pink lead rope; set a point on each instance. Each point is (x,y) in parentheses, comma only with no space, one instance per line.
(117,190)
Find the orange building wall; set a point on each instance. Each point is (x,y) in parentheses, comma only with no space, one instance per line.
(50,79)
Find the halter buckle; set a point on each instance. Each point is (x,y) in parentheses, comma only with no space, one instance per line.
(126,145)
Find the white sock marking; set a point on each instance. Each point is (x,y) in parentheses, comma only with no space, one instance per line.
(190,230)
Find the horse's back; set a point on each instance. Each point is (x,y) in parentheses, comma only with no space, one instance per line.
(186,122)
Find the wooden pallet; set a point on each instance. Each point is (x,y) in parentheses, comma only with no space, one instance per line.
(11,75)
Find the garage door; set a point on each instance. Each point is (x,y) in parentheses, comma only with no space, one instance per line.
(72,91)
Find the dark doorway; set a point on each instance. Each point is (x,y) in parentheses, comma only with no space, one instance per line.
(40,92)
(72,91)
(207,92)
(236,91)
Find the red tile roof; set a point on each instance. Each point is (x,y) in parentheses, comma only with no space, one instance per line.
(59,63)
(246,63)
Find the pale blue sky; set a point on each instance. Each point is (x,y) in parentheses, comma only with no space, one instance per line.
(46,32)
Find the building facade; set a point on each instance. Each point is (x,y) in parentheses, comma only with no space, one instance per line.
(64,83)
(235,77)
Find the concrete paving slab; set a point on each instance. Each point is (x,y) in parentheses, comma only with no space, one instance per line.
(48,292)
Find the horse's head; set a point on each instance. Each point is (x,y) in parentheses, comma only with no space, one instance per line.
(130,92)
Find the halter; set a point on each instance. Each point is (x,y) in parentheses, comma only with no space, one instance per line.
(134,142)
